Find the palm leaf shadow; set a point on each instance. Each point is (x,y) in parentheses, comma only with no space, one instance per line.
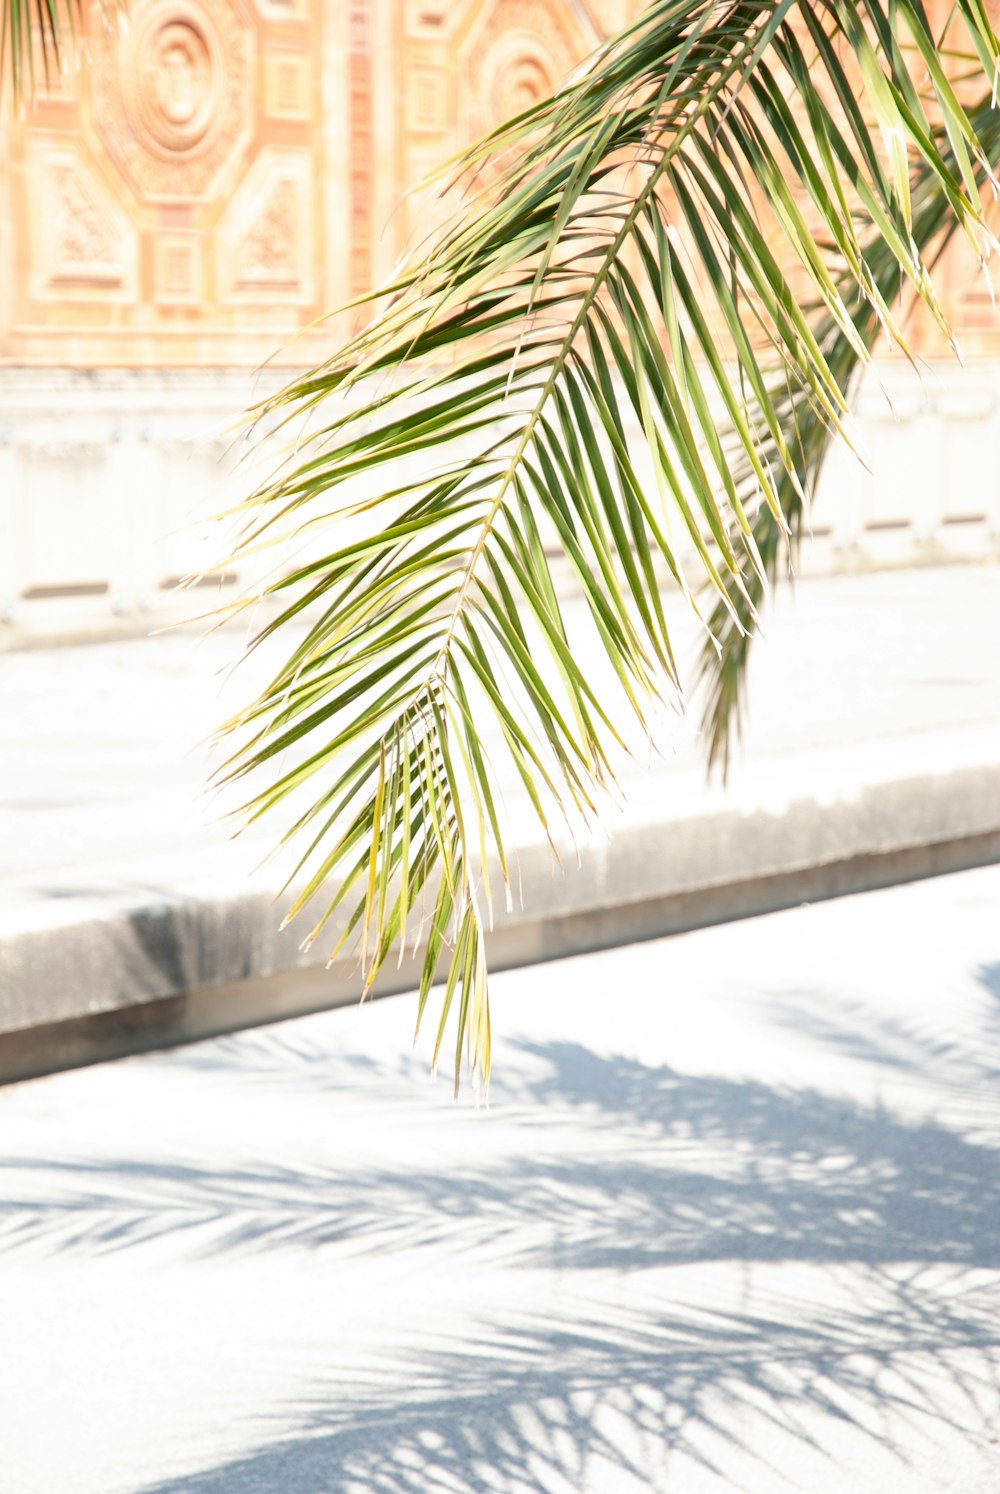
(750,1181)
(591,1398)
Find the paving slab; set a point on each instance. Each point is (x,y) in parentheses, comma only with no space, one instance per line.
(731,1221)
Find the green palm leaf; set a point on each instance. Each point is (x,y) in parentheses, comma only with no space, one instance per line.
(35,33)
(630,351)
(723,665)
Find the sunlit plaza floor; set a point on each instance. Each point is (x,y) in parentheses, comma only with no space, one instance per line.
(731,1221)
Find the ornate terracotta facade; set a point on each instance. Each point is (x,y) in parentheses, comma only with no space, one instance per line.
(218,177)
(221,173)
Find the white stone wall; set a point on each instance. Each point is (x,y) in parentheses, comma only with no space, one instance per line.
(108,481)
(929,488)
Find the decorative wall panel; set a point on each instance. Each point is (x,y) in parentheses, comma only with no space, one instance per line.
(516,52)
(222,173)
(82,242)
(163,210)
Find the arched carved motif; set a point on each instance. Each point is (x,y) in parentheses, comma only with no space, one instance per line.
(520,81)
(171,95)
(519,54)
(81,242)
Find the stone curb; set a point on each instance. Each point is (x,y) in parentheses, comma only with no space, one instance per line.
(97,978)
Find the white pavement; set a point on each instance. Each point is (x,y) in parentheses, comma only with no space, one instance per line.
(731,1223)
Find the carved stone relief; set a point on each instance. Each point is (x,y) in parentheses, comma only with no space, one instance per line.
(171,95)
(79,241)
(84,240)
(178,269)
(467,66)
(519,52)
(519,81)
(270,250)
(264,238)
(197,164)
(286,86)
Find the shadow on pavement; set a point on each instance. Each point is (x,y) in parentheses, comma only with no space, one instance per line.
(902,1220)
(603,1403)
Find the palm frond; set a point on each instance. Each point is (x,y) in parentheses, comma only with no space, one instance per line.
(628,351)
(36,34)
(723,665)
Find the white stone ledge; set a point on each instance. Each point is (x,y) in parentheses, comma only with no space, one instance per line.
(92,977)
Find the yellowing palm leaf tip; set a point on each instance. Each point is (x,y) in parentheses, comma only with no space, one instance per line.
(629,348)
